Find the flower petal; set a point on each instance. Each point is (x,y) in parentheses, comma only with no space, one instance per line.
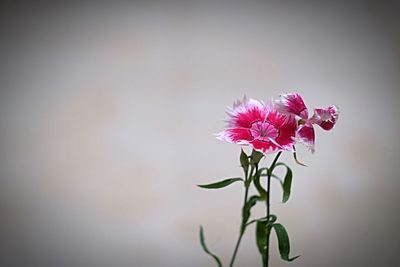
(306,135)
(245,113)
(239,136)
(262,126)
(292,103)
(265,147)
(286,124)
(325,117)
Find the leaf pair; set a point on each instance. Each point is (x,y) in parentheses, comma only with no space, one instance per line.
(263,229)
(246,212)
(286,183)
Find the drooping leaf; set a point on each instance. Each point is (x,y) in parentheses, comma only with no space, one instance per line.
(203,245)
(255,157)
(272,219)
(220,184)
(263,171)
(283,242)
(244,161)
(261,239)
(287,182)
(246,212)
(263,229)
(263,193)
(277,178)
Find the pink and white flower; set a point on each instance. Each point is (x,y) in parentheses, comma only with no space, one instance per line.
(326,118)
(253,123)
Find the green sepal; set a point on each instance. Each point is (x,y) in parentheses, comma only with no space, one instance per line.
(255,157)
(203,245)
(220,184)
(244,161)
(283,242)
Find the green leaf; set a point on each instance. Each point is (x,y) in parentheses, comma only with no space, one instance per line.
(272,219)
(261,239)
(255,157)
(244,161)
(220,184)
(277,178)
(246,212)
(287,182)
(203,244)
(283,242)
(261,171)
(263,229)
(263,193)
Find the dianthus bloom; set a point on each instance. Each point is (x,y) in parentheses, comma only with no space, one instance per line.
(293,104)
(261,126)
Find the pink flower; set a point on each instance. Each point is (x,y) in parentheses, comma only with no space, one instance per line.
(326,118)
(261,126)
(292,104)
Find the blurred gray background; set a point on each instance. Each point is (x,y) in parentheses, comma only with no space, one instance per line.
(107,116)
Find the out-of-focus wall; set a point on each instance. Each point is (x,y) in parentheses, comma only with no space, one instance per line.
(107,115)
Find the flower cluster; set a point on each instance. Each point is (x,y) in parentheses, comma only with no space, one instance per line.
(277,125)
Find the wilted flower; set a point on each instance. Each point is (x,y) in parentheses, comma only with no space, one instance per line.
(253,123)
(326,118)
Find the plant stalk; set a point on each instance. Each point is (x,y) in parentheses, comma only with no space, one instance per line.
(242,226)
(267,203)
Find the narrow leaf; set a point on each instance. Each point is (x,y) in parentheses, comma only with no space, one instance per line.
(203,245)
(247,209)
(220,184)
(277,178)
(283,242)
(244,161)
(272,219)
(263,193)
(287,182)
(261,239)
(263,171)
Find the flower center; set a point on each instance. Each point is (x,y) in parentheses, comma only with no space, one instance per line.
(264,131)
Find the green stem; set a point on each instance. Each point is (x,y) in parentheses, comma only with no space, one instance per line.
(267,202)
(242,225)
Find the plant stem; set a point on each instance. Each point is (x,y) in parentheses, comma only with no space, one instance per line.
(242,226)
(267,202)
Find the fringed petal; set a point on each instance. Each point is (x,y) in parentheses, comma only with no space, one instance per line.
(239,136)
(325,117)
(306,135)
(292,103)
(262,126)
(245,113)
